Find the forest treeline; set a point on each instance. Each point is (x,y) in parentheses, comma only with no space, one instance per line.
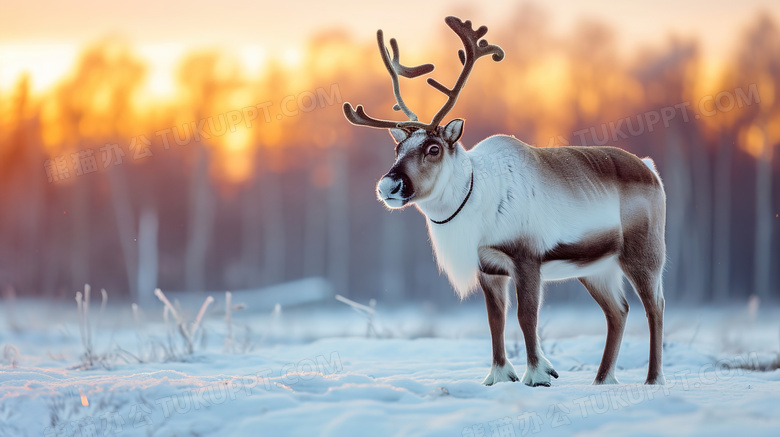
(237,181)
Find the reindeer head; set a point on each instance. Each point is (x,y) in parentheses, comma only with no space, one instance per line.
(425,153)
(421,157)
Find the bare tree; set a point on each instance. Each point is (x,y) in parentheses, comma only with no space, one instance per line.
(273,225)
(251,244)
(147,256)
(200,222)
(721,257)
(338,221)
(314,226)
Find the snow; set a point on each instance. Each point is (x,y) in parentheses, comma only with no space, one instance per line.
(312,371)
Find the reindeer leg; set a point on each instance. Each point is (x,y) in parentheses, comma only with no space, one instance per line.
(529,291)
(650,292)
(494,287)
(642,261)
(607,290)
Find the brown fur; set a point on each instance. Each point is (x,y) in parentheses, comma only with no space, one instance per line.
(570,165)
(494,288)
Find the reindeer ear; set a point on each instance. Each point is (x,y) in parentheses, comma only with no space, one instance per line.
(398,134)
(453,131)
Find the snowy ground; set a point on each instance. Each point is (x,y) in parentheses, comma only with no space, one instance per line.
(312,372)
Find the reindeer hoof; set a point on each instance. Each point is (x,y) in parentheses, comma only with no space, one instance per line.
(541,375)
(658,380)
(505,373)
(606,379)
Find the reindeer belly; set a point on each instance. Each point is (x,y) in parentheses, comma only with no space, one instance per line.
(560,270)
(590,255)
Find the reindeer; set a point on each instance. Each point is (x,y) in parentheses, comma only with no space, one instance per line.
(505,209)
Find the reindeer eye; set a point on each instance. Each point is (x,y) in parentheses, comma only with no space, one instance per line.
(432,150)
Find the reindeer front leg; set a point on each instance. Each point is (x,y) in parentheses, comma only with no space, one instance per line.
(527,280)
(494,287)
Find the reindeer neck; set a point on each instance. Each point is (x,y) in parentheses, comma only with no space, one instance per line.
(452,191)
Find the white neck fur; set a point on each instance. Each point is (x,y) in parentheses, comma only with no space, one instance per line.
(451,188)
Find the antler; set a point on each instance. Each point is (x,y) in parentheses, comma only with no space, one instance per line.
(358,115)
(473,49)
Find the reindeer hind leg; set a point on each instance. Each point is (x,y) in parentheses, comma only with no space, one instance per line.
(648,287)
(607,290)
(642,260)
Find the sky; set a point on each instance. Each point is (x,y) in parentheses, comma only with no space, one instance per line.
(44,37)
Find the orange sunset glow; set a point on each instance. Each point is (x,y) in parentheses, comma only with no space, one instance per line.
(124,82)
(186,108)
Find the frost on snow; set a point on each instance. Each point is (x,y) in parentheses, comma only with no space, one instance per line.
(307,372)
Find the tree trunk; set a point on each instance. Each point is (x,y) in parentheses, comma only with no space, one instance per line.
(677,176)
(251,244)
(201,221)
(701,258)
(392,267)
(79,214)
(338,221)
(721,260)
(123,211)
(314,232)
(763,233)
(274,241)
(147,256)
